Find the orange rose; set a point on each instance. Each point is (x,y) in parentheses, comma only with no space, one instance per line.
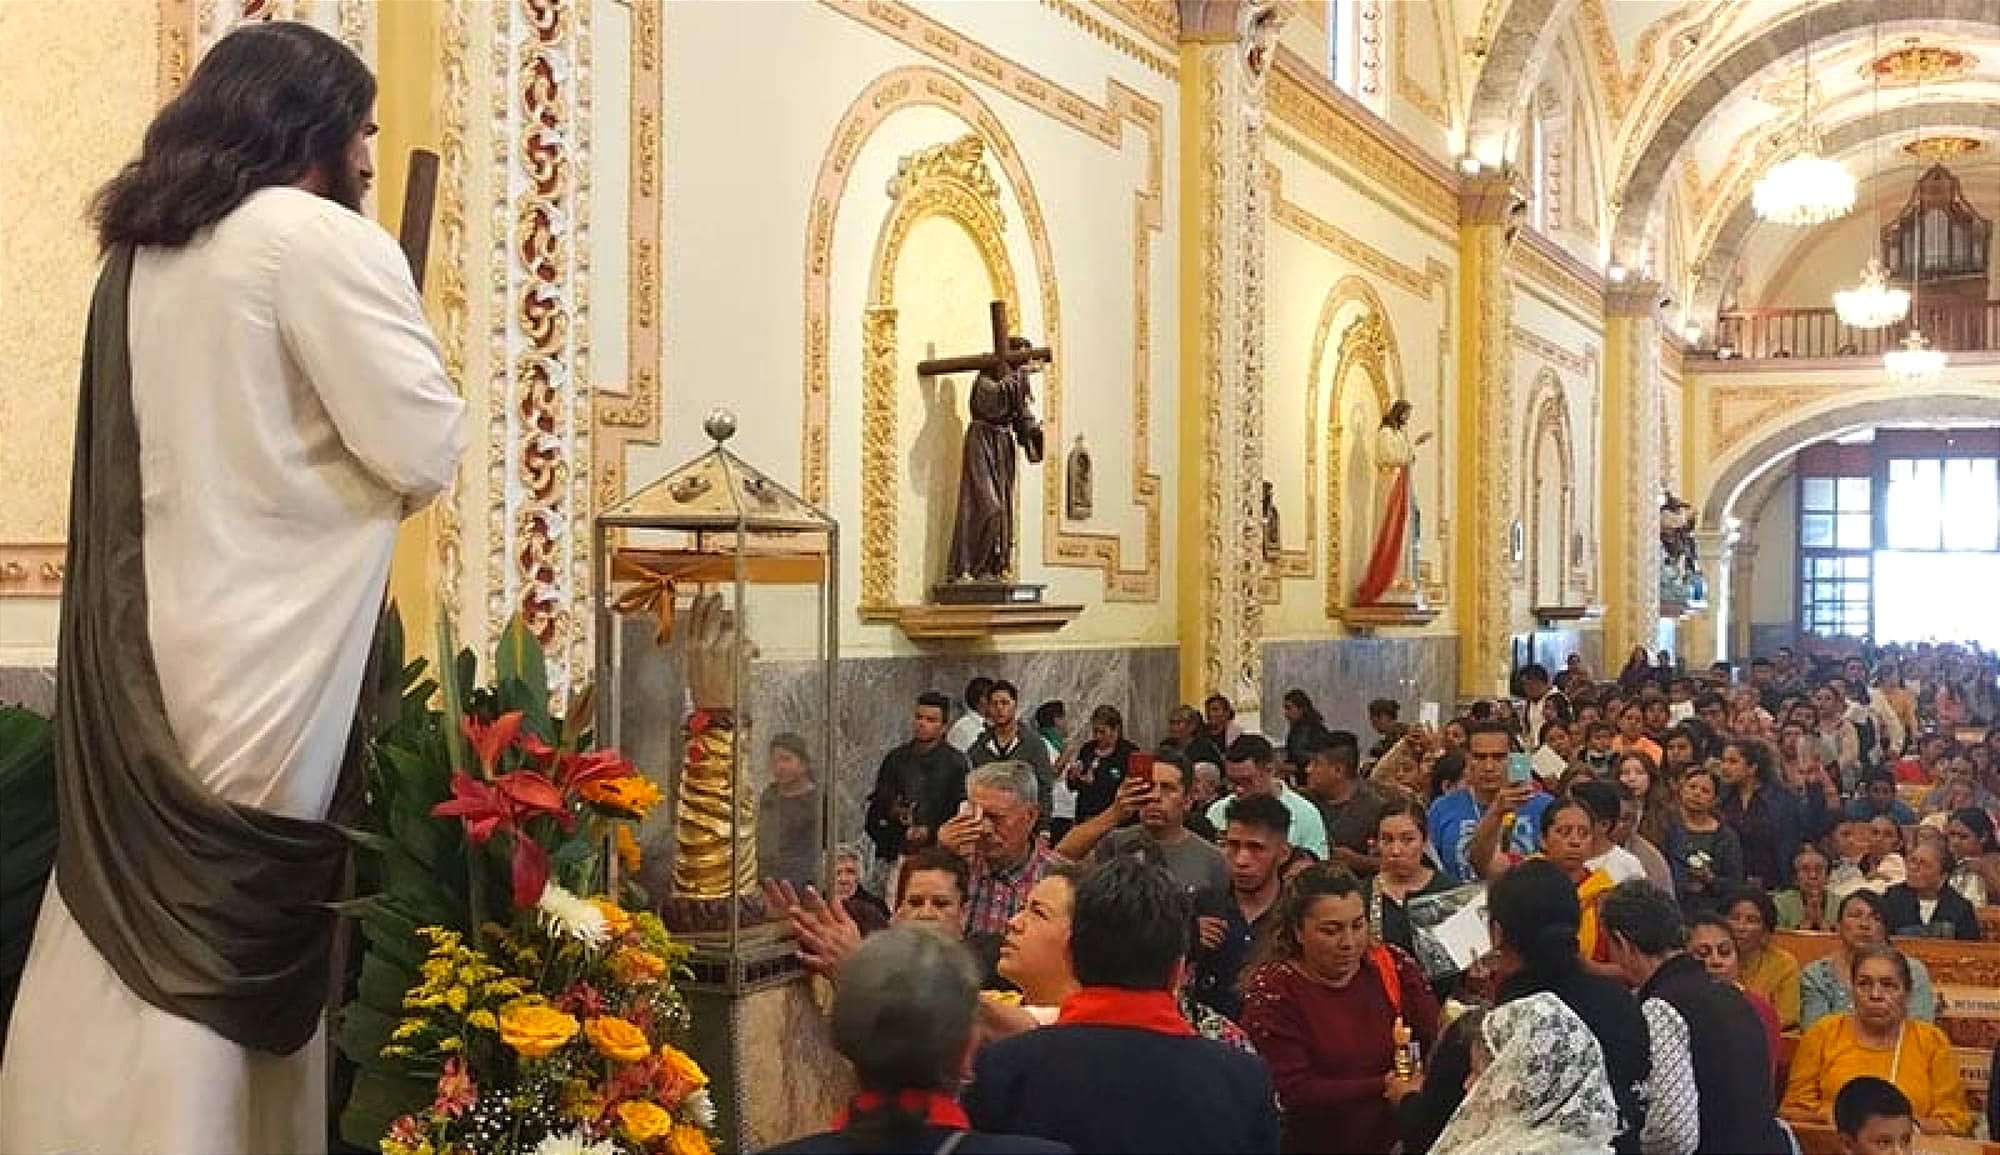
(617,1040)
(534,1029)
(636,967)
(644,1122)
(679,1065)
(688,1140)
(631,796)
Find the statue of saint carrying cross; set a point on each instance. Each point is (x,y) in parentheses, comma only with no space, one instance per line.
(982,534)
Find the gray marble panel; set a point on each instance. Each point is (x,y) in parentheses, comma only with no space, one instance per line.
(1342,675)
(30,686)
(1767,638)
(876,698)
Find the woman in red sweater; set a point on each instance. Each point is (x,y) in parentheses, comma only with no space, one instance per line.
(1323,1003)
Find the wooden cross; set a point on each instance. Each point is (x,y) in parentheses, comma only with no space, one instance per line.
(419,199)
(1001,359)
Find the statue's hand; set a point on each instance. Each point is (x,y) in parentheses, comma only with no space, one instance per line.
(714,647)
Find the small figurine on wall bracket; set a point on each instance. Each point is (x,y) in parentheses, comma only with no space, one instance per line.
(1274,543)
(1077,495)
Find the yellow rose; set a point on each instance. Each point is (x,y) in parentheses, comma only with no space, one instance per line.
(617,1039)
(635,967)
(534,1029)
(680,1065)
(688,1140)
(644,1122)
(616,919)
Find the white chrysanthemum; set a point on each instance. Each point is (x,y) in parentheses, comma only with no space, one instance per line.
(567,916)
(699,1109)
(573,1143)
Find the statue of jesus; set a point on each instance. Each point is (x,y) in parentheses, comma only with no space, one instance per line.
(982,532)
(1391,563)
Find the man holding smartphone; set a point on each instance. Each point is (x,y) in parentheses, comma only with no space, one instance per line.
(1496,810)
(1156,789)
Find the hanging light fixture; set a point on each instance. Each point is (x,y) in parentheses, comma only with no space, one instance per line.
(1916,363)
(1805,188)
(1874,303)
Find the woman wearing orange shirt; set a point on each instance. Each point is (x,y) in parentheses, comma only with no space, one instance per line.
(1878,1038)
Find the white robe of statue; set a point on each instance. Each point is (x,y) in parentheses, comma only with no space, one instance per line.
(292,408)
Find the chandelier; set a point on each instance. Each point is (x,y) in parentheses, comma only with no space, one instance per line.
(1874,303)
(1916,363)
(1805,188)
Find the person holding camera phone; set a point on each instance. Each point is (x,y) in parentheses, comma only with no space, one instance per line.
(1156,790)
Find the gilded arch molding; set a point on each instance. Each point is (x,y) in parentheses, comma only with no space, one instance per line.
(926,86)
(949,181)
(1548,420)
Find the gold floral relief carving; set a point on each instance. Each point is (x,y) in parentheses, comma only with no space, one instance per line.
(1312,108)
(1548,414)
(1436,106)
(634,417)
(1107,32)
(1542,268)
(1737,412)
(1433,283)
(454,301)
(1367,350)
(926,86)
(951,181)
(1158,20)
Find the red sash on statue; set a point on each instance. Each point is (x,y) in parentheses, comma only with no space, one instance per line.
(1385,561)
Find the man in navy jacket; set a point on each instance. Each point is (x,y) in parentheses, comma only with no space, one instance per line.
(1121,1069)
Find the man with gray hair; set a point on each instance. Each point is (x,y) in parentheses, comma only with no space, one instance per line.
(994,833)
(903,1016)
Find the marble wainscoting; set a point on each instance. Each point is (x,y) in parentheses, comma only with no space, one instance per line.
(1342,675)
(30,686)
(1552,649)
(876,699)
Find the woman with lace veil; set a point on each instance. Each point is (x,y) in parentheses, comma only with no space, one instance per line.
(1538,1086)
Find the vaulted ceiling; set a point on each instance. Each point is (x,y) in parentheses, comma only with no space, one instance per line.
(1696,100)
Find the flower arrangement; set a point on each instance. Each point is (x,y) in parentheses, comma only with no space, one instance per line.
(507,1004)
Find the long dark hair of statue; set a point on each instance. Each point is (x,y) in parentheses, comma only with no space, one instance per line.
(268,102)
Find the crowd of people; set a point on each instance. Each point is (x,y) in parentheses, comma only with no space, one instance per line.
(1236,943)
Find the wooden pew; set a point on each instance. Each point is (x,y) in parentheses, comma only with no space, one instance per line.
(1966,977)
(1989,922)
(1826,1141)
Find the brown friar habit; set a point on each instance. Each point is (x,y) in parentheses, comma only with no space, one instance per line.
(208,910)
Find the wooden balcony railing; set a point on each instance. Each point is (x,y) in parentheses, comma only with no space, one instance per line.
(1954,326)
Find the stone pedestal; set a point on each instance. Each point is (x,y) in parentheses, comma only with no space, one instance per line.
(768,1051)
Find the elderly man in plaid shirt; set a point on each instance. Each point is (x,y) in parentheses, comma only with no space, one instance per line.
(995,833)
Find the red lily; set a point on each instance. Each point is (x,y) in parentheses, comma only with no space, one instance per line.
(530,871)
(530,794)
(484,809)
(534,747)
(575,770)
(492,739)
(507,806)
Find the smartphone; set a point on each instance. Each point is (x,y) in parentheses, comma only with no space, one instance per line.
(1520,768)
(1139,764)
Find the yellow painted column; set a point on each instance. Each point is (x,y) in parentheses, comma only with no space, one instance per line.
(1225,202)
(408,82)
(1484,466)
(1630,439)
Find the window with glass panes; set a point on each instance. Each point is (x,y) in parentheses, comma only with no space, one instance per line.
(1836,536)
